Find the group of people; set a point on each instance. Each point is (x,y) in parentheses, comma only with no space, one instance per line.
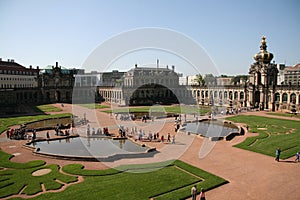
(194,193)
(99,131)
(21,134)
(155,137)
(61,130)
(144,118)
(124,117)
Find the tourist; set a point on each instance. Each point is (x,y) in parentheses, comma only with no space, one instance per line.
(140,135)
(71,130)
(47,135)
(202,194)
(57,129)
(173,139)
(169,138)
(277,154)
(84,118)
(144,119)
(34,134)
(150,136)
(194,192)
(162,138)
(88,129)
(297,157)
(175,125)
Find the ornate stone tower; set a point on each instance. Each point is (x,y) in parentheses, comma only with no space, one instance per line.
(263,79)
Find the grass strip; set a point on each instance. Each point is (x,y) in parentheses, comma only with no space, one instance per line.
(273,133)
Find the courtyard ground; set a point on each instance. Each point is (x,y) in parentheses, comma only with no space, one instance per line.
(250,175)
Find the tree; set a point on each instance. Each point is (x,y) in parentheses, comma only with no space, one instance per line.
(199,79)
(237,79)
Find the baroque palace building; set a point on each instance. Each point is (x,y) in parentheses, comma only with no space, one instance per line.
(147,86)
(261,91)
(269,86)
(142,85)
(17,83)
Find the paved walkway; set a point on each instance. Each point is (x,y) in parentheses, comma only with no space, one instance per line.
(250,175)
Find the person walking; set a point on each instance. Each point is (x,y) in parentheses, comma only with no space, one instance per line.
(173,139)
(194,192)
(277,153)
(47,135)
(297,157)
(169,138)
(202,194)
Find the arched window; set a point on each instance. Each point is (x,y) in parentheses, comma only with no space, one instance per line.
(202,94)
(215,94)
(242,95)
(293,98)
(284,97)
(277,97)
(225,95)
(236,95)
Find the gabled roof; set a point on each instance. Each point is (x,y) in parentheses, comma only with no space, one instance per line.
(291,68)
(13,66)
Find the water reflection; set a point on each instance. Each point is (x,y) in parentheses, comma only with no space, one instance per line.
(89,147)
(210,128)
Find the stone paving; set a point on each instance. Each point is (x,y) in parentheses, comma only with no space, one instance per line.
(250,175)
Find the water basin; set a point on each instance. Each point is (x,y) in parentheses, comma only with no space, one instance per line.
(84,148)
(211,128)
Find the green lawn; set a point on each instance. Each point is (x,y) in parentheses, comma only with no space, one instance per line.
(284,114)
(19,175)
(10,121)
(46,108)
(169,109)
(169,180)
(93,106)
(273,133)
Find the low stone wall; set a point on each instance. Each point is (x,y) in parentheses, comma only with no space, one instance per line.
(49,124)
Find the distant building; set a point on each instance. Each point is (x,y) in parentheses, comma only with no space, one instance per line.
(224,80)
(188,80)
(147,86)
(269,86)
(56,84)
(18,84)
(259,90)
(292,75)
(87,79)
(14,75)
(280,77)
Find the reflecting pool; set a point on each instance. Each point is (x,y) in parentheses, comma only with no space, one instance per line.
(210,128)
(88,147)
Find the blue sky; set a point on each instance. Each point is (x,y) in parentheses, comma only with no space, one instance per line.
(41,32)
